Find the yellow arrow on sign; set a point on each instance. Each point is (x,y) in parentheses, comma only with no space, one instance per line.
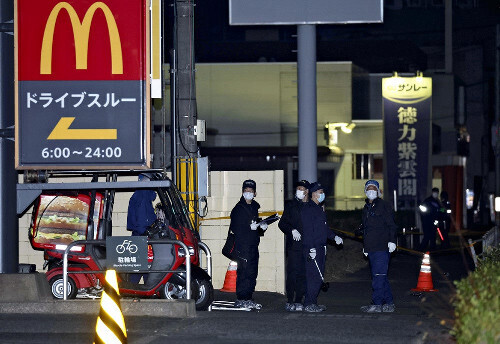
(62,132)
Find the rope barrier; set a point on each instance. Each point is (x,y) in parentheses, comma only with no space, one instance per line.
(264,213)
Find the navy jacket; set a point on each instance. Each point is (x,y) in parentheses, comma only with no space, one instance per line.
(316,231)
(291,220)
(141,213)
(241,216)
(379,227)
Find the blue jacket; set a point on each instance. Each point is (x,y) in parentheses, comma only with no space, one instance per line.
(141,213)
(316,231)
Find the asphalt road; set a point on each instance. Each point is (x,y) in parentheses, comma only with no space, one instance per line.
(421,318)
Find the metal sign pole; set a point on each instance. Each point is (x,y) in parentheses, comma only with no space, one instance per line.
(306,90)
(9,231)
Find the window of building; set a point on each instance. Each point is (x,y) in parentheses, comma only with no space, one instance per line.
(368,166)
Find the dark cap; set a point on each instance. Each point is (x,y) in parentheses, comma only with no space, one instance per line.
(435,190)
(315,187)
(249,184)
(372,182)
(303,183)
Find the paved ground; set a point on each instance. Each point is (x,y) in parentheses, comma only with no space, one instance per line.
(424,318)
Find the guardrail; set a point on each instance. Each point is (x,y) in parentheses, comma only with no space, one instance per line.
(103,242)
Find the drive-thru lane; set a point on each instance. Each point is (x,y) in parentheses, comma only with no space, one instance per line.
(425,318)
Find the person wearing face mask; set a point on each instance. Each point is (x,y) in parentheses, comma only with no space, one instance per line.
(244,218)
(291,225)
(379,238)
(430,215)
(315,236)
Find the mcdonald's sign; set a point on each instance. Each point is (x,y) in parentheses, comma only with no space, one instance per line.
(82,84)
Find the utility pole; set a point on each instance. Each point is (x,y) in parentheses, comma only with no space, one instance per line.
(497,111)
(185,84)
(184,143)
(9,228)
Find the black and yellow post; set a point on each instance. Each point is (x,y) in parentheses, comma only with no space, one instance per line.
(187,183)
(110,327)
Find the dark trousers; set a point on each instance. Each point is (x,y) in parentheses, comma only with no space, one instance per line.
(379,263)
(313,279)
(429,238)
(248,269)
(136,278)
(445,229)
(295,276)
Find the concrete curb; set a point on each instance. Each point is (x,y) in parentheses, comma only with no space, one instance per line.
(130,307)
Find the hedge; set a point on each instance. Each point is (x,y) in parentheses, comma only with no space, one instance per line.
(477,304)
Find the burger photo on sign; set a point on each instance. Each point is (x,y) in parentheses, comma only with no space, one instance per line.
(61,220)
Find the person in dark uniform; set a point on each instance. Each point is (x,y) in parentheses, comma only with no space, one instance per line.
(291,225)
(140,215)
(379,238)
(244,217)
(316,234)
(430,215)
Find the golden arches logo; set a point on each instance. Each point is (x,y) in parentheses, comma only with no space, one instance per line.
(81,32)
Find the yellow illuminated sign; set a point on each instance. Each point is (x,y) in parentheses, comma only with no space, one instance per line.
(407,90)
(81,32)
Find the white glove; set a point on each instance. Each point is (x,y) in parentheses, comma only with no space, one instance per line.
(312,253)
(263,225)
(296,235)
(365,253)
(338,240)
(392,247)
(253,226)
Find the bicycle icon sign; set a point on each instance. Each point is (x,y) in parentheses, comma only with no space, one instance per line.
(126,246)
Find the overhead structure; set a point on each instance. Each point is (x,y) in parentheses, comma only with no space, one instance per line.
(306,15)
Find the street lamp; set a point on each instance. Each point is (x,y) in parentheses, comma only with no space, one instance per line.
(333,133)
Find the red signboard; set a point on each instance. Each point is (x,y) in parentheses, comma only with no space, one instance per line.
(61,28)
(82,83)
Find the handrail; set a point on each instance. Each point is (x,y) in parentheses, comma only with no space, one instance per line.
(103,242)
(208,253)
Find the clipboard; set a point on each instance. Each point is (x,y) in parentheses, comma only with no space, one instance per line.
(270,219)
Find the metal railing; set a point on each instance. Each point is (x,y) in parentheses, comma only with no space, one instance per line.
(208,253)
(103,242)
(203,247)
(491,239)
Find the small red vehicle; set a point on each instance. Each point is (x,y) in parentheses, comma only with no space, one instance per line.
(61,218)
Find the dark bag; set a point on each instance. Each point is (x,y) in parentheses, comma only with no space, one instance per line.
(229,249)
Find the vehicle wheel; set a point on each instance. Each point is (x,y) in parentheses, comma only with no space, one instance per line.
(173,291)
(205,294)
(56,287)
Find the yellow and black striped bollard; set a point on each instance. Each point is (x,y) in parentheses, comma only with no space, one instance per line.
(110,327)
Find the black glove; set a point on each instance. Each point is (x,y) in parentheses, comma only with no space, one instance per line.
(359,231)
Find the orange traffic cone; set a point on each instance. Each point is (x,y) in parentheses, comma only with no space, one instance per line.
(230,280)
(425,278)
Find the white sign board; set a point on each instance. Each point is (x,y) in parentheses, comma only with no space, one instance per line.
(295,12)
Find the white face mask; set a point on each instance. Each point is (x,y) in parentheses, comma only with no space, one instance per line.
(435,195)
(371,194)
(300,194)
(321,197)
(248,196)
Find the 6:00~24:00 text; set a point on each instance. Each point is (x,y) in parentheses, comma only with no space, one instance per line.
(88,152)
